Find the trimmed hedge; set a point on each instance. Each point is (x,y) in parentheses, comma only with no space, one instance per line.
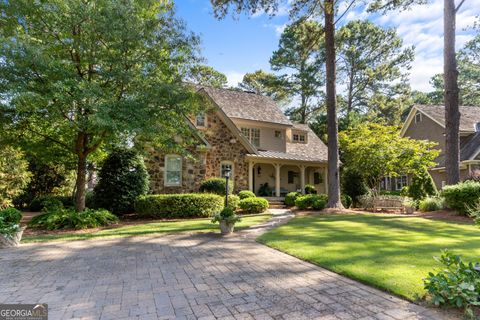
(311,201)
(310,189)
(171,206)
(246,194)
(233,202)
(254,205)
(216,186)
(291,197)
(460,196)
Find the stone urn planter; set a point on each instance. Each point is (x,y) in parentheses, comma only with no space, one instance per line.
(14,241)
(226,227)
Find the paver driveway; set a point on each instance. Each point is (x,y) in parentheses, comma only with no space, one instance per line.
(186,276)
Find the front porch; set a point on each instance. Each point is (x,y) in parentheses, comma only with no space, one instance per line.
(276,179)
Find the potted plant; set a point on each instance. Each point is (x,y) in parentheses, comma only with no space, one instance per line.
(227,219)
(10,230)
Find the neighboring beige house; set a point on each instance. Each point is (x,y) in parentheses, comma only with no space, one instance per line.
(428,123)
(248,134)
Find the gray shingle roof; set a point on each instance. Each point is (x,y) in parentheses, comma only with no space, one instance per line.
(469,116)
(246,105)
(469,149)
(312,151)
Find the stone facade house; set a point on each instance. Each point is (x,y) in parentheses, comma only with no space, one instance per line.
(249,135)
(428,123)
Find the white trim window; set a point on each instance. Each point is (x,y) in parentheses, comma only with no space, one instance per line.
(227,165)
(400,182)
(252,134)
(386,183)
(299,138)
(173,170)
(201,120)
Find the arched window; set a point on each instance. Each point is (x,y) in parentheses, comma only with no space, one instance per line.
(173,170)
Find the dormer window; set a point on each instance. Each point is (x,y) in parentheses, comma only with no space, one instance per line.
(278,134)
(299,137)
(252,134)
(201,120)
(418,117)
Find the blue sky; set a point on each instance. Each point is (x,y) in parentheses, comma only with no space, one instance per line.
(235,46)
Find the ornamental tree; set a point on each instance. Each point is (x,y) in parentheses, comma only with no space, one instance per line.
(14,175)
(376,150)
(82,74)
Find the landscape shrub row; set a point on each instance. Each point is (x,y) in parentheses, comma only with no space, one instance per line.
(187,205)
(307,201)
(461,196)
(254,205)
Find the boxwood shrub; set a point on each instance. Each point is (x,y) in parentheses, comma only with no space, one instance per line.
(246,194)
(311,201)
(171,206)
(460,196)
(216,186)
(233,201)
(254,205)
(291,197)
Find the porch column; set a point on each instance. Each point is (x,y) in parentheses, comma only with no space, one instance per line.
(250,175)
(277,179)
(302,178)
(325,180)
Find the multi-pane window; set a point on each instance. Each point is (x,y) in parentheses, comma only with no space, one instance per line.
(173,170)
(401,182)
(200,120)
(385,184)
(252,134)
(278,134)
(297,137)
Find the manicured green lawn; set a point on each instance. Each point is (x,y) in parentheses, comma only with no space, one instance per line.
(390,252)
(196,225)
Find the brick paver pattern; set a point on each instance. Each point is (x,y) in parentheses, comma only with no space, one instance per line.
(187,277)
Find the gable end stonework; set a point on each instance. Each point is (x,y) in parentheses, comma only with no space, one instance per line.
(224,146)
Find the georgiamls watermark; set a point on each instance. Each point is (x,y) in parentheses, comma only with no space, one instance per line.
(23,311)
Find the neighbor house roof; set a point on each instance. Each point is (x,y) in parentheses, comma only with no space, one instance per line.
(469,149)
(247,105)
(312,151)
(469,116)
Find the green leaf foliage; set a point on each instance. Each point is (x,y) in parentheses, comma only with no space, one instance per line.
(233,202)
(216,186)
(431,204)
(457,285)
(353,184)
(174,206)
(291,197)
(78,75)
(254,205)
(376,151)
(462,195)
(311,201)
(246,194)
(14,175)
(61,218)
(207,76)
(422,185)
(228,215)
(267,84)
(122,178)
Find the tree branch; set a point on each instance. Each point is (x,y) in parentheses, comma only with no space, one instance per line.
(459,6)
(346,10)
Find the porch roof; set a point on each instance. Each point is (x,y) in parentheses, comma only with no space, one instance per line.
(286,156)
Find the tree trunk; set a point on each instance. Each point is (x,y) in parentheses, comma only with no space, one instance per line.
(333,158)
(80,184)
(452,114)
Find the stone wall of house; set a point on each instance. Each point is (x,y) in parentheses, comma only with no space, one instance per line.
(205,164)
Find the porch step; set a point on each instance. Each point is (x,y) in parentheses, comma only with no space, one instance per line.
(276,203)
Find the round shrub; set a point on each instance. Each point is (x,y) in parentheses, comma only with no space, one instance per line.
(216,186)
(291,197)
(311,201)
(172,206)
(70,219)
(460,196)
(122,178)
(346,200)
(228,215)
(233,202)
(422,185)
(246,194)
(10,215)
(310,189)
(9,222)
(254,205)
(431,204)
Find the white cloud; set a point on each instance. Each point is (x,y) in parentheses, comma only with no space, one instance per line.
(234,77)
(277,27)
(422,26)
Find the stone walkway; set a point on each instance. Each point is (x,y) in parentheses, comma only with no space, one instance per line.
(187,277)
